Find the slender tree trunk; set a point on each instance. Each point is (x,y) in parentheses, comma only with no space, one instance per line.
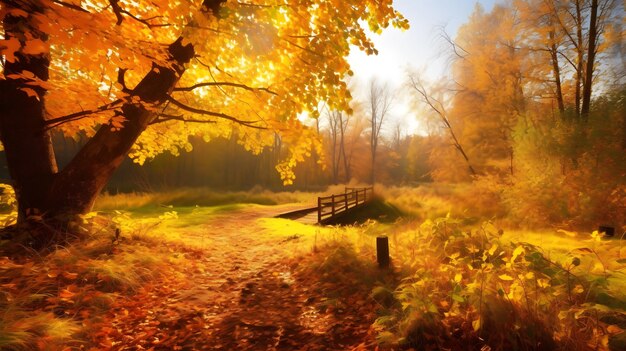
(373,175)
(373,145)
(579,55)
(342,149)
(334,155)
(591,57)
(27,145)
(557,73)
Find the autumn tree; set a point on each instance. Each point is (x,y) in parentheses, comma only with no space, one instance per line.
(573,33)
(482,101)
(140,77)
(512,69)
(544,45)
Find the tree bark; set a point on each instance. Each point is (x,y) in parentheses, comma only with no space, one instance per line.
(27,145)
(591,57)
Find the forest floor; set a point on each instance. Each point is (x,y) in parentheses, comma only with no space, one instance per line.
(229,276)
(247,289)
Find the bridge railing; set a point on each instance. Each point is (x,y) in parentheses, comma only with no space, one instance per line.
(333,205)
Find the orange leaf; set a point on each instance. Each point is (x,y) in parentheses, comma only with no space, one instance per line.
(53,274)
(69,275)
(30,92)
(66,294)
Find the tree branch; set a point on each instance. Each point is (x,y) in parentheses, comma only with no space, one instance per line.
(119,11)
(214,114)
(418,86)
(120,79)
(55,122)
(236,85)
(168,117)
(305,49)
(445,36)
(71,6)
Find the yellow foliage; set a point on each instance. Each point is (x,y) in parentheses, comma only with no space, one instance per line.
(256,65)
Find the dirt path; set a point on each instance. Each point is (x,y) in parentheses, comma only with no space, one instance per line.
(245,293)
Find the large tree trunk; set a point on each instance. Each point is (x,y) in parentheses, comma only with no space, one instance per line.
(76,187)
(591,57)
(27,145)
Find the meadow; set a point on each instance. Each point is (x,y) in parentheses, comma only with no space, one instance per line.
(460,278)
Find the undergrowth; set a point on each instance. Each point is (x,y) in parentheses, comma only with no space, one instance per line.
(459,287)
(454,284)
(473,289)
(59,300)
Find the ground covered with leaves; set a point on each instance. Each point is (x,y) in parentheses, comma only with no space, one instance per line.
(231,277)
(220,278)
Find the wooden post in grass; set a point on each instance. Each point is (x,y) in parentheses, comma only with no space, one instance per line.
(609,232)
(382,251)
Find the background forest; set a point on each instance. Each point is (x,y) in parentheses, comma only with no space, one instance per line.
(532,113)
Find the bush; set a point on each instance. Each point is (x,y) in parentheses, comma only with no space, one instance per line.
(470,289)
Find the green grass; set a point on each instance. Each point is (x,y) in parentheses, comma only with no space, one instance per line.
(192,197)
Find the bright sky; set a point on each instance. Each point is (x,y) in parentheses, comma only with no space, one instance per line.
(420,48)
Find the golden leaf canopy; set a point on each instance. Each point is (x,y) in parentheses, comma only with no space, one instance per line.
(258,65)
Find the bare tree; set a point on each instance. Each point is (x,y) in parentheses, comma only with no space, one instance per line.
(335,131)
(439,108)
(343,127)
(397,137)
(380,101)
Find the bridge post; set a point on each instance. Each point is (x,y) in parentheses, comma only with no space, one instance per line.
(345,200)
(319,210)
(332,198)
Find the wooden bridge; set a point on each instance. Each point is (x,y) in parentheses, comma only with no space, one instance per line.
(332,206)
